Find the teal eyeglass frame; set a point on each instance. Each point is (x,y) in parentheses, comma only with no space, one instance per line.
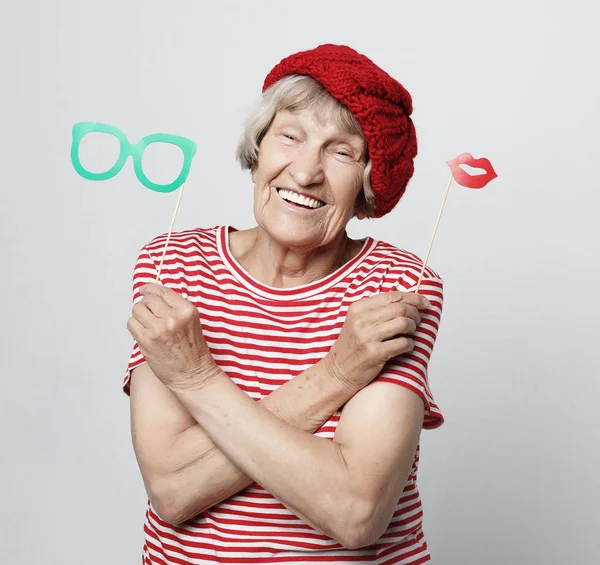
(187,146)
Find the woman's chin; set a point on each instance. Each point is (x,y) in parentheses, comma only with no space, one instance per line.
(293,234)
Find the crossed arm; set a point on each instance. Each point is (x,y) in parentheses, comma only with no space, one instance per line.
(196,448)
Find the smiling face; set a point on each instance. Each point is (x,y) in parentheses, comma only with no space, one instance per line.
(300,155)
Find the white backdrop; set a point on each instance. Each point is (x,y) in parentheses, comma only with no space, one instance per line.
(512,477)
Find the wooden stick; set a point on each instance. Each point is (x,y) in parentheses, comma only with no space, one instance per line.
(170,230)
(434,232)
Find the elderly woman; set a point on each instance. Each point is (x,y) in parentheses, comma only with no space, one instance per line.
(278,383)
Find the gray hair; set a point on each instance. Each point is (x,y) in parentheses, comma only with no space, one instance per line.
(293,93)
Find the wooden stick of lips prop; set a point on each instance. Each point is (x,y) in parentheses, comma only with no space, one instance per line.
(463,178)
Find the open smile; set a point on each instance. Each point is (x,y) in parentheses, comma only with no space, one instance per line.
(298,201)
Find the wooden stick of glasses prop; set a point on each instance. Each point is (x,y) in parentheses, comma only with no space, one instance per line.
(169,234)
(187,146)
(464,179)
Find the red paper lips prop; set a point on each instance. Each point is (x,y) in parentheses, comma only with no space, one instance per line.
(471,181)
(463,178)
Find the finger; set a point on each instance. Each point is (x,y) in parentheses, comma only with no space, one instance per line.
(167,294)
(157,305)
(375,301)
(418,300)
(410,311)
(394,311)
(394,328)
(397,346)
(392,296)
(142,314)
(135,328)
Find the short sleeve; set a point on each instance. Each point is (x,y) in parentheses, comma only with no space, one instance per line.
(143,273)
(410,369)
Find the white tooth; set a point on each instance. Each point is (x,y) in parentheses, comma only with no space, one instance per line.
(299,199)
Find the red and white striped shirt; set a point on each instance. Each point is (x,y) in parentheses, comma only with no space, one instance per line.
(261,337)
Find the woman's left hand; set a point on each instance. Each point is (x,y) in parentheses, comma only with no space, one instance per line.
(167,329)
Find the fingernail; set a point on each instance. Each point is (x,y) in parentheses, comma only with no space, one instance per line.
(427,303)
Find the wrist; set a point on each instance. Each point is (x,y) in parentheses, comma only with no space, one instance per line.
(196,379)
(334,373)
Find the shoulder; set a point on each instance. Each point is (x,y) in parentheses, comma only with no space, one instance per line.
(400,268)
(187,253)
(182,243)
(197,237)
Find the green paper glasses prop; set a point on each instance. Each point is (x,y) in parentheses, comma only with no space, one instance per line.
(187,146)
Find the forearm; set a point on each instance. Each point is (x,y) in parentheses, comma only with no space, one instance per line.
(306,473)
(198,475)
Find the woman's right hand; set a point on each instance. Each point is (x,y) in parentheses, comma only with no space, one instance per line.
(376,329)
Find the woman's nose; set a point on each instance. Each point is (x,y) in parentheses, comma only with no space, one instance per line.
(307,167)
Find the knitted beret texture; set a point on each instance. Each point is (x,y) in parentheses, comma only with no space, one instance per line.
(380,104)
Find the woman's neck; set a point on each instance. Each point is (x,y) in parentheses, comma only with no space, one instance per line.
(280,266)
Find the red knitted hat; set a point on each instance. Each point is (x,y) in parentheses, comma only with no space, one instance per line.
(380,104)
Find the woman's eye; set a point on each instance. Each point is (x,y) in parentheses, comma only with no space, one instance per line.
(289,136)
(344,153)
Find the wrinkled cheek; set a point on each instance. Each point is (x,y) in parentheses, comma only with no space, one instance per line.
(260,204)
